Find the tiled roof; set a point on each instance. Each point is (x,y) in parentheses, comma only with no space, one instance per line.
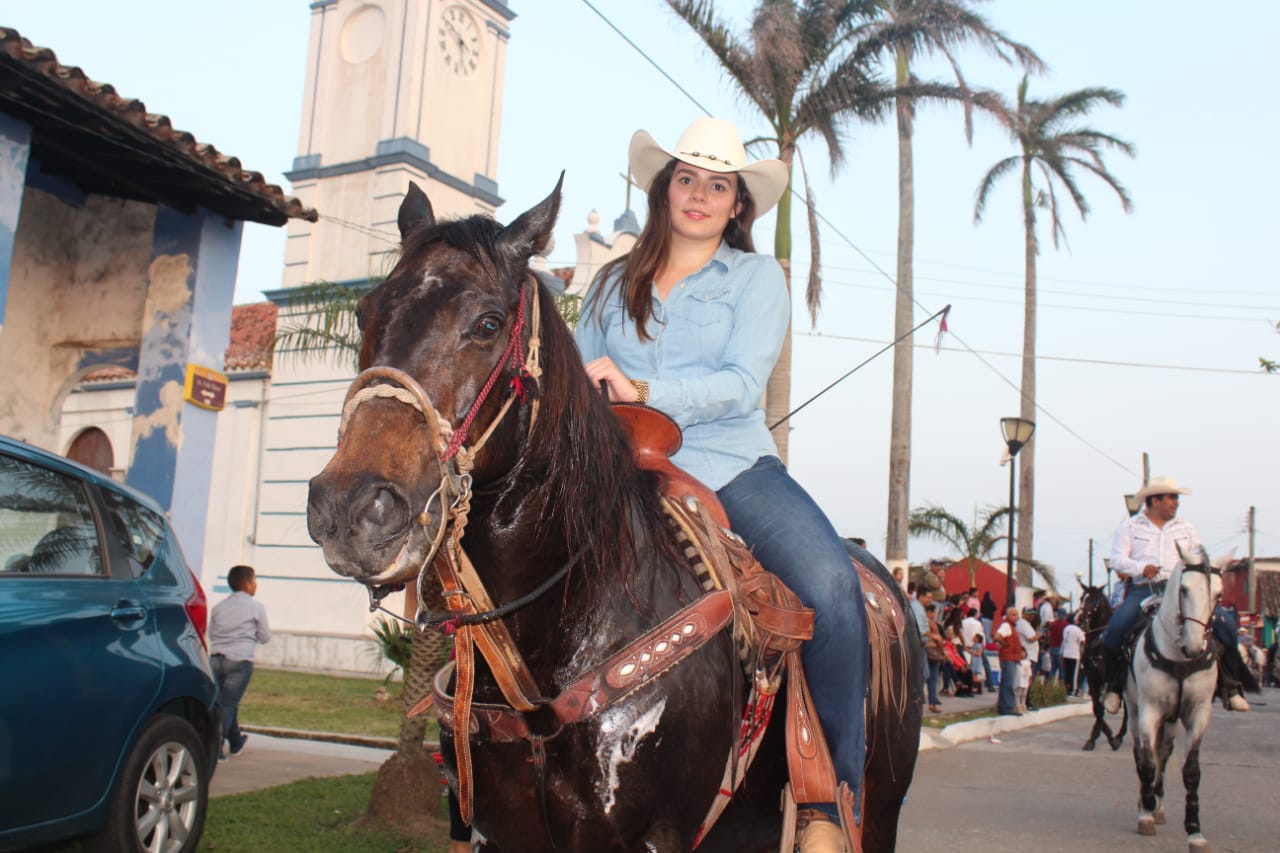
(109,145)
(253,329)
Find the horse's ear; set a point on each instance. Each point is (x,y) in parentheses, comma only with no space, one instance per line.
(530,234)
(415,211)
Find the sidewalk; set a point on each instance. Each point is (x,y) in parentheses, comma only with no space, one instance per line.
(962,732)
(269,760)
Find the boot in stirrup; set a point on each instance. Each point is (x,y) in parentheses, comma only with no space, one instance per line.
(1234,678)
(1116,669)
(1229,688)
(819,833)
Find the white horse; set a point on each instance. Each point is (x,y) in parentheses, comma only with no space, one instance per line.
(1172,680)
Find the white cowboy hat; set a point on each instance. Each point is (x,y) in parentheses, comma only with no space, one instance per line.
(712,144)
(1161,486)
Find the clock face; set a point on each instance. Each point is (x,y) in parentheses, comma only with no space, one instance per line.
(459,40)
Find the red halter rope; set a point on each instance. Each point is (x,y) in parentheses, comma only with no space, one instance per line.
(512,356)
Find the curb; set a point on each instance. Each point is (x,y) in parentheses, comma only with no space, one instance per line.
(958,733)
(331,737)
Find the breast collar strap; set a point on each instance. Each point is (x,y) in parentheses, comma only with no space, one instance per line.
(1179,669)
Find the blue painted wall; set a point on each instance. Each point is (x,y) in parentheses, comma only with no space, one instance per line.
(191,288)
(15,153)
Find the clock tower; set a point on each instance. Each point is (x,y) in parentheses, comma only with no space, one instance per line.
(396,91)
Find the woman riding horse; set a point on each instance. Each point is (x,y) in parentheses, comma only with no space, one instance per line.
(691,322)
(607,706)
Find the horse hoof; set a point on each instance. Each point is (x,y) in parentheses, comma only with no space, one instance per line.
(1197,844)
(1158,814)
(1088,746)
(1116,744)
(1146,826)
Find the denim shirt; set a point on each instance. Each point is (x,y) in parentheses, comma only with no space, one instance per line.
(713,343)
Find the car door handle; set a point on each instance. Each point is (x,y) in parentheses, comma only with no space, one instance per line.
(128,611)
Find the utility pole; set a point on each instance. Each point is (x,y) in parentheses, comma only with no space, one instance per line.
(1250,580)
(1090,561)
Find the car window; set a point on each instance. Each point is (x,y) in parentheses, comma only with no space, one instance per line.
(139,529)
(46,523)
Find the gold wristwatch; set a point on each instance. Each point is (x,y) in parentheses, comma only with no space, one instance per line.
(642,389)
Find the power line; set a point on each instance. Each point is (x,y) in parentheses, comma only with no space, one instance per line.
(1059,358)
(1085,283)
(1057,292)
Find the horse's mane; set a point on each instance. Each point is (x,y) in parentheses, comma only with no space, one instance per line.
(607,504)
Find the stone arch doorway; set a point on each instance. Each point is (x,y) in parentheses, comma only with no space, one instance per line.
(91,447)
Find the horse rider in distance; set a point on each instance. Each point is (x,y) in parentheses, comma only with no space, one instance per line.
(1144,553)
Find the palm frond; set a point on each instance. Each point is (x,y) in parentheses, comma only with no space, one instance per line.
(320,319)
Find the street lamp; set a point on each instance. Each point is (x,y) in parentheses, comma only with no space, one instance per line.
(1017,432)
(1132,504)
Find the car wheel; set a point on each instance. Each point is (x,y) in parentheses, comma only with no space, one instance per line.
(159,802)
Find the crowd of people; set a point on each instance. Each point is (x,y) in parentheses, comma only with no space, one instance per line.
(960,638)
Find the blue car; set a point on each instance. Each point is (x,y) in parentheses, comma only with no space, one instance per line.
(107,706)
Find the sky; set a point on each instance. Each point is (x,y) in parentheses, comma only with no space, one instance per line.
(1150,323)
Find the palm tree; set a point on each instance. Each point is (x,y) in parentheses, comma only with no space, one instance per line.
(800,65)
(973,544)
(927,27)
(1054,147)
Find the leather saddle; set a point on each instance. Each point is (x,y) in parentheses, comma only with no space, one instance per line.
(772,621)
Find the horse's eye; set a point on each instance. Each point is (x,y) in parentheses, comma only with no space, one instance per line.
(487,327)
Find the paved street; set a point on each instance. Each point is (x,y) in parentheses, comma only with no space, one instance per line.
(1037,791)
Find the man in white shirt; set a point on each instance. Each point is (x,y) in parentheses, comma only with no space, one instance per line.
(1072,649)
(1144,553)
(1031,642)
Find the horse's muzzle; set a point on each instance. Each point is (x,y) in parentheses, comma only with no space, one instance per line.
(362,527)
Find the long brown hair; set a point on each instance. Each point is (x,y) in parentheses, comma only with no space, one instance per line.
(637,269)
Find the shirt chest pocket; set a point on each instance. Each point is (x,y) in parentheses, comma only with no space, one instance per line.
(704,308)
(698,327)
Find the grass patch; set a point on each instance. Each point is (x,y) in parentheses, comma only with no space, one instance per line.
(1045,693)
(941,721)
(317,816)
(324,703)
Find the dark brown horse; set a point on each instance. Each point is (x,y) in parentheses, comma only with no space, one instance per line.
(472,363)
(1095,613)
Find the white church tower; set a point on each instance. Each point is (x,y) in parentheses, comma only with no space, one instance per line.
(397,90)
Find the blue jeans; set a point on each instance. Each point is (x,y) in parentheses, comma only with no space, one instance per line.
(931,680)
(1055,663)
(1007,702)
(1127,613)
(1224,626)
(233,679)
(792,538)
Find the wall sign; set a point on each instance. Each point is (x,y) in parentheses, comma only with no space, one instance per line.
(205,387)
